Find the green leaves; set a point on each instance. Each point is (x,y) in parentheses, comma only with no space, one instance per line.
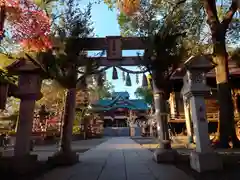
(62,62)
(146,94)
(124,22)
(110,3)
(4,75)
(53,95)
(103,92)
(46,5)
(166,23)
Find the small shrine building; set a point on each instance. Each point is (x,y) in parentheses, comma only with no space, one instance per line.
(120,112)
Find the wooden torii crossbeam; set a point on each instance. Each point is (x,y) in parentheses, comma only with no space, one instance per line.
(127,43)
(114,46)
(125,61)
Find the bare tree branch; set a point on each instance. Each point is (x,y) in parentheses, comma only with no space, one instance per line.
(211,11)
(229,15)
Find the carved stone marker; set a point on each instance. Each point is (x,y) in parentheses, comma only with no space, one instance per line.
(195,89)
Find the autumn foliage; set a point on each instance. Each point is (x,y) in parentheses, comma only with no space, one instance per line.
(129,7)
(28,24)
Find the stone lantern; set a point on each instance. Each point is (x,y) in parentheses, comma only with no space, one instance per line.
(28,91)
(195,90)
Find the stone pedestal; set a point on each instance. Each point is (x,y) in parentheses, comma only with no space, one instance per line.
(18,166)
(209,161)
(64,159)
(161,155)
(25,164)
(195,89)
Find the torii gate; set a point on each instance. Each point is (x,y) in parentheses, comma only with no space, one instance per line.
(30,83)
(114,46)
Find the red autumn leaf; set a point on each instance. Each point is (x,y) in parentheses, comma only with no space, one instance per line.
(37,44)
(29,25)
(128,7)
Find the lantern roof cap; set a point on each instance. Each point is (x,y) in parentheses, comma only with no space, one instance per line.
(201,62)
(21,66)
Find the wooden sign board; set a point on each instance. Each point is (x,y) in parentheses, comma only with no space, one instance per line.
(114,50)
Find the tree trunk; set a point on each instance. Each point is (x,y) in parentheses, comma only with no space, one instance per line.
(226,121)
(69,116)
(220,57)
(224,99)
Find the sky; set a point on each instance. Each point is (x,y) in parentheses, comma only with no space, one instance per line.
(105,24)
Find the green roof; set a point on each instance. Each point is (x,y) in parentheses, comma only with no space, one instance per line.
(120,101)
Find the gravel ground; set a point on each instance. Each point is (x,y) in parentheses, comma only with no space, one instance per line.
(230,172)
(231,169)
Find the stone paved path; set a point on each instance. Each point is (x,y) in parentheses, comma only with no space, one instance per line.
(44,151)
(117,159)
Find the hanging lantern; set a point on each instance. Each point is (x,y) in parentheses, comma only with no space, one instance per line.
(3,95)
(123,76)
(137,79)
(114,74)
(128,7)
(144,81)
(128,80)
